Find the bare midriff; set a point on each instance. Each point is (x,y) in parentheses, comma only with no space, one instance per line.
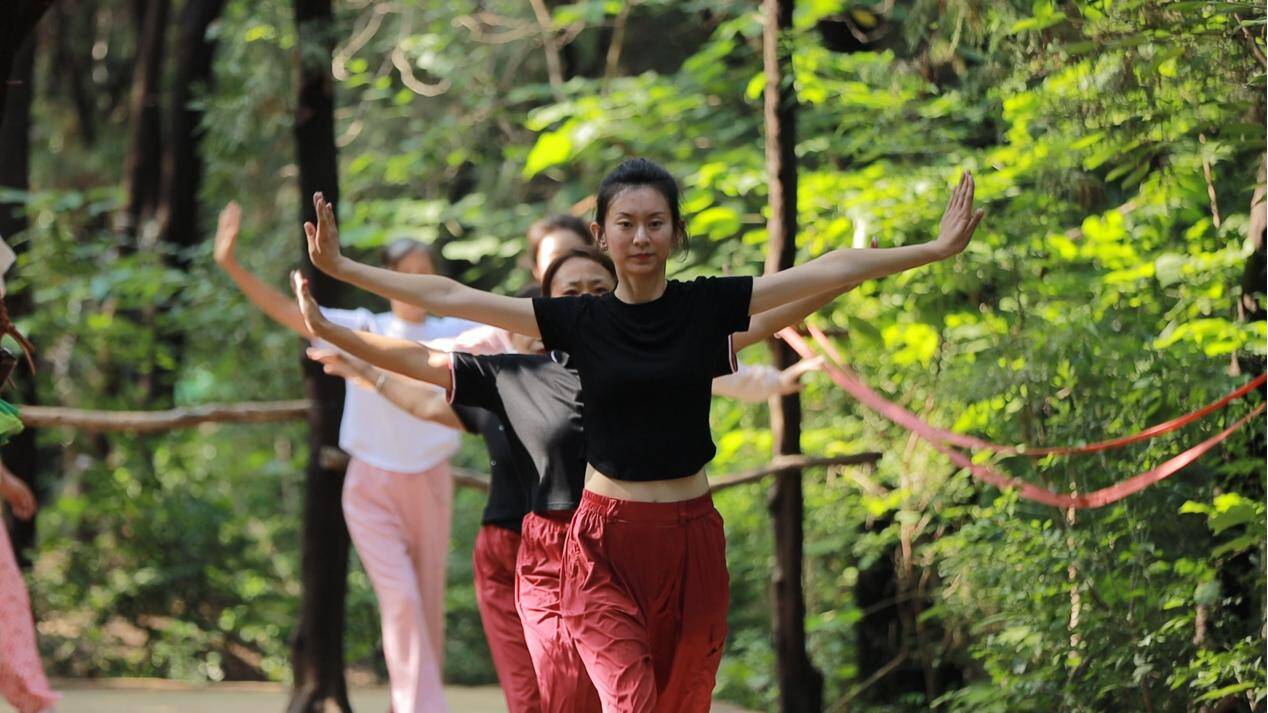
(647,491)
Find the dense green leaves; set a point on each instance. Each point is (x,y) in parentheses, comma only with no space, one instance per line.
(1115,147)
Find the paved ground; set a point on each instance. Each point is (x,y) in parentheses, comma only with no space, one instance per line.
(159,696)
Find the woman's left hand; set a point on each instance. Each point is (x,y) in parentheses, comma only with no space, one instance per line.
(959,220)
(790,378)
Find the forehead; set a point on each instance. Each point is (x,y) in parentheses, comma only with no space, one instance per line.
(581,270)
(415,261)
(563,236)
(639,200)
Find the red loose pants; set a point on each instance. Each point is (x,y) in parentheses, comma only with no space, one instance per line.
(645,597)
(561,677)
(494,556)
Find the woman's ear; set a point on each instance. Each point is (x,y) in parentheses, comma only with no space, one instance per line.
(596,231)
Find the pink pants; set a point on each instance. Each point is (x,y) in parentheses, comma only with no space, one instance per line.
(493,559)
(399,523)
(561,676)
(22,681)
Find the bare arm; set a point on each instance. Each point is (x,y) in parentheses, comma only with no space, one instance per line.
(438,295)
(402,356)
(838,270)
(413,397)
(268,299)
(764,324)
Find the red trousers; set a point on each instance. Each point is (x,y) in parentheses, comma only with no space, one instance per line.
(645,597)
(561,677)
(496,549)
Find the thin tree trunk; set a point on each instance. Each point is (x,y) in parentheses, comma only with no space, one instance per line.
(177,213)
(800,684)
(20,19)
(142,165)
(73,38)
(15,127)
(317,651)
(182,163)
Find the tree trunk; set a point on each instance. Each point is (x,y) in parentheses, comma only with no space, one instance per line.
(317,653)
(15,127)
(20,19)
(72,36)
(142,166)
(800,685)
(182,169)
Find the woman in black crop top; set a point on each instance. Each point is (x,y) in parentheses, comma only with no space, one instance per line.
(645,573)
(538,398)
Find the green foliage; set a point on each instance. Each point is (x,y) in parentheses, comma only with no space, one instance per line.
(1099,297)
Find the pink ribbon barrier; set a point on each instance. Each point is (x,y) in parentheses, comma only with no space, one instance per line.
(943,440)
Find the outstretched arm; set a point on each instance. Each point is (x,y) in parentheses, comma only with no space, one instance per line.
(402,356)
(764,324)
(268,299)
(415,398)
(438,295)
(754,383)
(838,270)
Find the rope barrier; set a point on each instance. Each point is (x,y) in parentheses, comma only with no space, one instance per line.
(937,438)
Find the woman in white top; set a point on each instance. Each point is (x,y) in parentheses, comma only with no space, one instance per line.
(398,492)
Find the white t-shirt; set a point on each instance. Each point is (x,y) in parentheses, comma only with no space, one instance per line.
(373,429)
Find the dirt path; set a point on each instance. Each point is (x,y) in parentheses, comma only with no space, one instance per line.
(160,696)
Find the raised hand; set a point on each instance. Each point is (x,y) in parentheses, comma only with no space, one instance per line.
(19,496)
(323,238)
(959,220)
(314,320)
(227,234)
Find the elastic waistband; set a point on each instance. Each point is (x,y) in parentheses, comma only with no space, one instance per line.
(551,519)
(636,511)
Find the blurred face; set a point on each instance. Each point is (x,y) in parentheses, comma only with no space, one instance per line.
(417,262)
(553,245)
(638,232)
(580,276)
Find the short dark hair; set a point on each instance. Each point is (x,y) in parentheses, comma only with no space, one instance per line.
(397,250)
(556,221)
(587,253)
(633,172)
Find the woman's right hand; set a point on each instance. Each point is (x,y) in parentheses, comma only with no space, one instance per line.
(343,366)
(227,234)
(323,238)
(314,320)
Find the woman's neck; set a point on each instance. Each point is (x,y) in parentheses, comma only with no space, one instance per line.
(641,288)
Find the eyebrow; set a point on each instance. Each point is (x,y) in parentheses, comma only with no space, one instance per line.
(653,214)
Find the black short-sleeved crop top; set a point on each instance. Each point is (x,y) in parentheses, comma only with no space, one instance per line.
(538,398)
(646,371)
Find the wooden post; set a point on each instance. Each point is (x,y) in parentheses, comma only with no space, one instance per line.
(317,649)
(800,685)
